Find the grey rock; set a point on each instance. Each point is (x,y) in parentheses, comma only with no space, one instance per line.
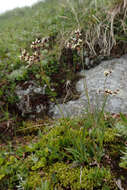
(95,80)
(87,62)
(31,99)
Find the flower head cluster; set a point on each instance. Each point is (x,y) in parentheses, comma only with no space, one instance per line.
(110,92)
(36,46)
(75,41)
(39,43)
(25,56)
(107,73)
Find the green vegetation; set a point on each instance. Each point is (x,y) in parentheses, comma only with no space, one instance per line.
(72,154)
(48,43)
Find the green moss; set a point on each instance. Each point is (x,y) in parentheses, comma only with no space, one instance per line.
(113,143)
(30,127)
(123,162)
(41,163)
(33,181)
(110,135)
(80,178)
(47,158)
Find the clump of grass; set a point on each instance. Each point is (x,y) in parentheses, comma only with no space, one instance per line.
(99,22)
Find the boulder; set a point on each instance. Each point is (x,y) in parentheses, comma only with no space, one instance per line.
(32,99)
(95,79)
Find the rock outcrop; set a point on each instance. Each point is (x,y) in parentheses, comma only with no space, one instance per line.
(95,78)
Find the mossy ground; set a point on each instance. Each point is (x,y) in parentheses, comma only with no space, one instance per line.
(62,156)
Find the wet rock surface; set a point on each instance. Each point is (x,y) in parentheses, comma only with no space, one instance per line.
(96,82)
(32,99)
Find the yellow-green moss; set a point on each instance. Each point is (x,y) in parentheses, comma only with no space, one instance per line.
(65,176)
(33,180)
(40,164)
(29,127)
(110,135)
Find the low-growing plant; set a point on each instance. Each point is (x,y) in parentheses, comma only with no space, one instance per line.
(123,162)
(67,154)
(64,176)
(45,185)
